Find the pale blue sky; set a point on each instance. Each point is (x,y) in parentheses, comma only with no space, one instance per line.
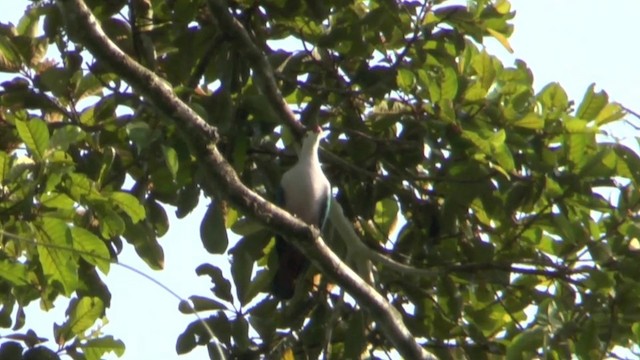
(573,42)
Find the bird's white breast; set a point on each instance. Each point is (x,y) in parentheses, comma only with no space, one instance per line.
(305,191)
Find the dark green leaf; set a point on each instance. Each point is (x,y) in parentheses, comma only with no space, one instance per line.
(241,270)
(525,344)
(213,231)
(11,350)
(355,344)
(158,217)
(222,286)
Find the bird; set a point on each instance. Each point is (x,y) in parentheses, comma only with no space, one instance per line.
(305,192)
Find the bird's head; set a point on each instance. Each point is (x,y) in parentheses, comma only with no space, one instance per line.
(311,140)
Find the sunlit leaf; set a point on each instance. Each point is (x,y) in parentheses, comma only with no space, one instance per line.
(94,349)
(35,135)
(55,248)
(503,40)
(129,204)
(386,215)
(84,314)
(611,112)
(5,166)
(592,104)
(13,272)
(91,248)
(171,159)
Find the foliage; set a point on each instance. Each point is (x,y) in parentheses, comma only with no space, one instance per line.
(505,191)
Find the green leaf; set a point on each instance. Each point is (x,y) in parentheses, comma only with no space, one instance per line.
(140,134)
(111,224)
(386,215)
(91,248)
(592,104)
(575,125)
(185,343)
(525,344)
(171,159)
(483,64)
(94,349)
(55,248)
(87,86)
(241,270)
(576,148)
(35,135)
(610,113)
(259,283)
(108,157)
(28,24)
(503,156)
(554,99)
(129,204)
(629,166)
(222,286)
(11,350)
(213,231)
(502,39)
(5,166)
(14,272)
(57,80)
(157,215)
(10,60)
(482,144)
(84,315)
(188,198)
(65,136)
(449,84)
(240,332)
(356,342)
(142,236)
(406,79)
(82,188)
(56,200)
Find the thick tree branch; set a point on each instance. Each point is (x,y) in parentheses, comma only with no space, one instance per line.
(83,27)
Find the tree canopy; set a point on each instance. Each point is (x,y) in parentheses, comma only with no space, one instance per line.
(474,217)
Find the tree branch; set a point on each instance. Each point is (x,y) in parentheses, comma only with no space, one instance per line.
(83,27)
(263,72)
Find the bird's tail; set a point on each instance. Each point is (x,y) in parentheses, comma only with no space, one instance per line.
(291,264)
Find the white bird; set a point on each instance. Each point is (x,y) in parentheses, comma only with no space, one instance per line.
(306,193)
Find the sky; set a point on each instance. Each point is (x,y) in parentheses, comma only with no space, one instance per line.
(573,42)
